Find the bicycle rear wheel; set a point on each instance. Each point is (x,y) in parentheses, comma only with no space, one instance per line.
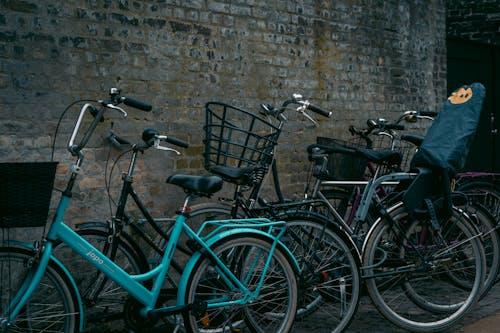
(53,307)
(275,306)
(487,226)
(485,193)
(411,270)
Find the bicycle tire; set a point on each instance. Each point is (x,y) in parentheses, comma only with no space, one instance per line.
(209,211)
(485,223)
(52,307)
(329,275)
(422,299)
(275,307)
(104,300)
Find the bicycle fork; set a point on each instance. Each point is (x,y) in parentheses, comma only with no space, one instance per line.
(30,283)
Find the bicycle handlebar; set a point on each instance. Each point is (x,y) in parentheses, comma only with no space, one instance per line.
(177,142)
(431,114)
(317,109)
(152,138)
(136,104)
(383,125)
(98,115)
(413,116)
(297,99)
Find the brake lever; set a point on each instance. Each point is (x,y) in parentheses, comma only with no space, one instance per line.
(409,116)
(302,109)
(112,106)
(156,144)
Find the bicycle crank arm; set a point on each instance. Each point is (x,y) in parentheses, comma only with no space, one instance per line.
(197,308)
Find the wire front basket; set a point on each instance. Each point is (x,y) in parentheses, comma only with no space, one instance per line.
(343,166)
(407,150)
(236,138)
(25,193)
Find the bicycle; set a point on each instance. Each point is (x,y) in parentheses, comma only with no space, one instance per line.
(105,301)
(345,194)
(329,275)
(411,258)
(239,269)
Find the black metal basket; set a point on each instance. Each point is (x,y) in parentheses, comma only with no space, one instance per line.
(342,166)
(237,138)
(406,149)
(25,193)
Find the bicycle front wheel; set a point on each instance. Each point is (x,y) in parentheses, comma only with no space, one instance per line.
(329,275)
(104,300)
(53,307)
(411,269)
(275,284)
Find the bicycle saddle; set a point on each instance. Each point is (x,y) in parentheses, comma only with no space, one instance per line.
(205,184)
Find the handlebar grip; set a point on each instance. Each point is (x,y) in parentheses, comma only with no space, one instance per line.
(413,139)
(432,114)
(136,104)
(394,126)
(319,111)
(117,141)
(177,142)
(372,123)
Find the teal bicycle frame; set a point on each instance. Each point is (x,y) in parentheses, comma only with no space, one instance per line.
(132,283)
(59,231)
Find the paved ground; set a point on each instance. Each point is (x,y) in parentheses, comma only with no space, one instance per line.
(484,318)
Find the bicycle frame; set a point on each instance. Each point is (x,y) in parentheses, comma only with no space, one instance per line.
(59,231)
(132,283)
(120,215)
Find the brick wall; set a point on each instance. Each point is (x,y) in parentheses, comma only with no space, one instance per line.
(359,59)
(477,20)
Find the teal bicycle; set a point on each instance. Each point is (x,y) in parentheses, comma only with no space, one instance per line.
(240,272)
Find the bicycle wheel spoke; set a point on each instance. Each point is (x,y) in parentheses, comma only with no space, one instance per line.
(421,278)
(51,307)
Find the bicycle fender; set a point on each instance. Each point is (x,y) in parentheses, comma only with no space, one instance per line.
(65,271)
(181,294)
(91,225)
